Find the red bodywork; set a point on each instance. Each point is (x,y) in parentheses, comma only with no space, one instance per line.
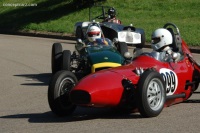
(105,88)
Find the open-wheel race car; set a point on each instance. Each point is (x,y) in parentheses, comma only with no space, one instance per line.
(122,35)
(147,84)
(89,57)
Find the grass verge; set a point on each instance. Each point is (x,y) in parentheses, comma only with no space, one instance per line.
(61,15)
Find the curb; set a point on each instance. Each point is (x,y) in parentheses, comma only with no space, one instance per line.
(63,36)
(40,34)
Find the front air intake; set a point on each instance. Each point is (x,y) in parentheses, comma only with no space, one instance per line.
(80,97)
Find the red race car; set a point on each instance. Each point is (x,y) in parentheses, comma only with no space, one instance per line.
(146,85)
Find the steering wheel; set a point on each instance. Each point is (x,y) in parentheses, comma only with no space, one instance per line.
(100,16)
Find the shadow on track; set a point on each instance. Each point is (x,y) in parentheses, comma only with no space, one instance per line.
(41,79)
(80,114)
(193,100)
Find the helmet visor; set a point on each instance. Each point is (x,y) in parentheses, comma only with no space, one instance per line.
(155,40)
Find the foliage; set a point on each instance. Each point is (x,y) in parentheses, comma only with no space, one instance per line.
(61,15)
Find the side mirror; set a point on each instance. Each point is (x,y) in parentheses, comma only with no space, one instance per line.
(127,55)
(79,40)
(115,40)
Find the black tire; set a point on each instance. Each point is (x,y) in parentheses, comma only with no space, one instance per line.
(151,94)
(196,86)
(66,65)
(122,48)
(58,93)
(143,38)
(56,57)
(79,33)
(195,78)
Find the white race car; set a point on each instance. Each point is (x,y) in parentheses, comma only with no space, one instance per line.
(118,33)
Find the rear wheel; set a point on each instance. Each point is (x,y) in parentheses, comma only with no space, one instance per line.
(196,86)
(58,93)
(122,48)
(143,38)
(56,57)
(195,78)
(151,94)
(66,60)
(79,33)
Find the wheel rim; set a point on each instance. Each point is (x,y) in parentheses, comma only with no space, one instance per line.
(154,94)
(64,89)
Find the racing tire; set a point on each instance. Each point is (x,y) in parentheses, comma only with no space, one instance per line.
(143,39)
(79,33)
(122,48)
(58,93)
(66,60)
(195,78)
(151,94)
(56,57)
(196,86)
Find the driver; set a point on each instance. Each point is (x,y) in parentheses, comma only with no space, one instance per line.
(112,16)
(161,40)
(94,36)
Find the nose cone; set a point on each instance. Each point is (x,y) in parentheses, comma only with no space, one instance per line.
(101,89)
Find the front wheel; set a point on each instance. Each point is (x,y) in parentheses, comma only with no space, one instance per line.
(79,33)
(58,93)
(151,94)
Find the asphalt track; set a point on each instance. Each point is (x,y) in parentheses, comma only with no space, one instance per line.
(25,71)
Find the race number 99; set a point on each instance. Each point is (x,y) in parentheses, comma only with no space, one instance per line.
(170,79)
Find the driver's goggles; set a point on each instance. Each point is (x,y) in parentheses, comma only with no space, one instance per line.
(94,33)
(155,40)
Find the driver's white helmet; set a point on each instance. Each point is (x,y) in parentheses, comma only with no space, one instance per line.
(93,33)
(160,38)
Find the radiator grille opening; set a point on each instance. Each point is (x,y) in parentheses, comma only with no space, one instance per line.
(80,97)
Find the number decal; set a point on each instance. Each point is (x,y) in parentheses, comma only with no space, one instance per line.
(170,79)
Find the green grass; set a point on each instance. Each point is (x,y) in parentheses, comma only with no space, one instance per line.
(61,15)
